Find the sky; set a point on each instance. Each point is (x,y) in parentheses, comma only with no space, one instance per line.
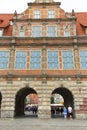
(9,6)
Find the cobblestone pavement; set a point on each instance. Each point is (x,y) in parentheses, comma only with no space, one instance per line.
(42,124)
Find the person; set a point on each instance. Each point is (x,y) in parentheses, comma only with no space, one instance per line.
(70,111)
(65,112)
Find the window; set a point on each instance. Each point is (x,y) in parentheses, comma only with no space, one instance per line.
(20,60)
(67,60)
(41,1)
(0,32)
(35,60)
(67,33)
(4,59)
(36,31)
(51,14)
(47,1)
(21,33)
(52,59)
(36,14)
(83,59)
(51,31)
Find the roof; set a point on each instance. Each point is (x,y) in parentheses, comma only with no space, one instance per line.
(5,23)
(5,20)
(81,22)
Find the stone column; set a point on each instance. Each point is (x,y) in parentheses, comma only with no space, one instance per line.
(77,62)
(44,109)
(8,101)
(44,64)
(74,27)
(44,30)
(58,28)
(11,64)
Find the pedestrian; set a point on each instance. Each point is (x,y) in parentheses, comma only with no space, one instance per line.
(65,112)
(70,112)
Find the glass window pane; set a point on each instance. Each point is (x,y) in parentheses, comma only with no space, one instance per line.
(35,60)
(52,59)
(20,62)
(4,59)
(83,59)
(67,60)
(51,31)
(36,31)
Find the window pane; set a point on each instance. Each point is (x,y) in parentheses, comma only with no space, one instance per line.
(36,31)
(35,60)
(4,59)
(20,62)
(0,32)
(52,59)
(83,59)
(51,31)
(37,14)
(51,14)
(21,33)
(67,60)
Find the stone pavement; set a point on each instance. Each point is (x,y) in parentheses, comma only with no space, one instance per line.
(42,124)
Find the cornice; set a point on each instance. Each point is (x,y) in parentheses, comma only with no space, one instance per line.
(43,4)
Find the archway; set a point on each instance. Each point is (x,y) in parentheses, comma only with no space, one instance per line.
(66,100)
(20,101)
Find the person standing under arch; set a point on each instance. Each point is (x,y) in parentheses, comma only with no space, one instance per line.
(70,112)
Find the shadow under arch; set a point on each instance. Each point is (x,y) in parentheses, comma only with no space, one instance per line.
(67,96)
(19,100)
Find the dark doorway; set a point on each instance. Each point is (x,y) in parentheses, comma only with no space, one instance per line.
(20,103)
(68,101)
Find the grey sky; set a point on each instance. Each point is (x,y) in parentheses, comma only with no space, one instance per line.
(9,6)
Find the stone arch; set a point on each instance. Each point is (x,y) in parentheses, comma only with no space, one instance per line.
(67,96)
(19,100)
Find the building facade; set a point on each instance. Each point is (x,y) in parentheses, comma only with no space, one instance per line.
(43,51)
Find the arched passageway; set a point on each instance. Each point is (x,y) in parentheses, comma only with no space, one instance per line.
(66,100)
(21,102)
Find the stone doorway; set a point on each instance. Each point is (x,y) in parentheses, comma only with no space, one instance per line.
(25,107)
(65,98)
